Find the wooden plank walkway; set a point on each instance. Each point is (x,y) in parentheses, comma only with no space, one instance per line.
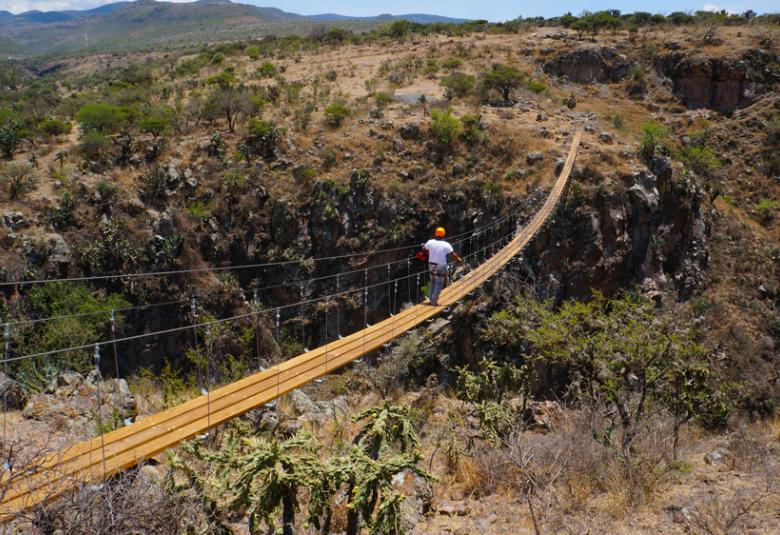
(123,448)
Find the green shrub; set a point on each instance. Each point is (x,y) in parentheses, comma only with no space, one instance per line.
(263,137)
(11,136)
(253,52)
(458,85)
(699,159)
(224,79)
(383,98)
(266,69)
(451,63)
(537,86)
(336,112)
(445,127)
(766,209)
(199,210)
(53,127)
(93,145)
(65,214)
(331,75)
(473,130)
(654,138)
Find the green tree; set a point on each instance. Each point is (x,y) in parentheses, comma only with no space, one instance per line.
(628,355)
(88,316)
(458,85)
(93,145)
(230,104)
(157,121)
(10,138)
(504,79)
(18,179)
(101,117)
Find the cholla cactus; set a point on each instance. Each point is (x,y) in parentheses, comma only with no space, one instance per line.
(386,423)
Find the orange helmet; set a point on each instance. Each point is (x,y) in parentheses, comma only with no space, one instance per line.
(440,232)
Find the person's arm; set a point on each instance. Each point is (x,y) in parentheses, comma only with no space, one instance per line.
(458,259)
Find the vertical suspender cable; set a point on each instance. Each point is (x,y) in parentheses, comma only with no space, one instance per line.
(256,320)
(6,356)
(303,317)
(194,311)
(209,349)
(389,289)
(278,362)
(338,307)
(113,342)
(101,431)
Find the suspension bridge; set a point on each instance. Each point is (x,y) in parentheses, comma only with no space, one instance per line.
(96,459)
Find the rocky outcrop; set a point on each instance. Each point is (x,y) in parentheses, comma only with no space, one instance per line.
(648,226)
(722,84)
(586,65)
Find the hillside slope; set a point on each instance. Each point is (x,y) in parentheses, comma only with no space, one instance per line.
(149,24)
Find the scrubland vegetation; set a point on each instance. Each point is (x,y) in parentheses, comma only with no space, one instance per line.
(620,376)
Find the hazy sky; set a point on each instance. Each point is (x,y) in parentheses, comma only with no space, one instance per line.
(495,10)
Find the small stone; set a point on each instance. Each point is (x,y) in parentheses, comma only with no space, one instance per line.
(717,456)
(302,404)
(606,137)
(534,157)
(541,117)
(448,508)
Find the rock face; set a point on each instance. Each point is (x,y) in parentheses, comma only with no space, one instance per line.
(586,65)
(648,227)
(722,84)
(71,402)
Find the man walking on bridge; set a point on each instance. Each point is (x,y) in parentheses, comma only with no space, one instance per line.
(439,252)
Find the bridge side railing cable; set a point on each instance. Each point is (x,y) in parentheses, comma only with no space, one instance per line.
(196,325)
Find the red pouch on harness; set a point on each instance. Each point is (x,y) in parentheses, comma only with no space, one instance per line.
(422,255)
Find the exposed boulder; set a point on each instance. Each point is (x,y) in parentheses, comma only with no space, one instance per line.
(11,394)
(592,64)
(15,220)
(59,252)
(410,131)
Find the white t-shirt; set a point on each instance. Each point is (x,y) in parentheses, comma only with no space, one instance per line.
(438,251)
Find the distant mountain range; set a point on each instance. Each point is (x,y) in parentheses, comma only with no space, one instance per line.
(149,24)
